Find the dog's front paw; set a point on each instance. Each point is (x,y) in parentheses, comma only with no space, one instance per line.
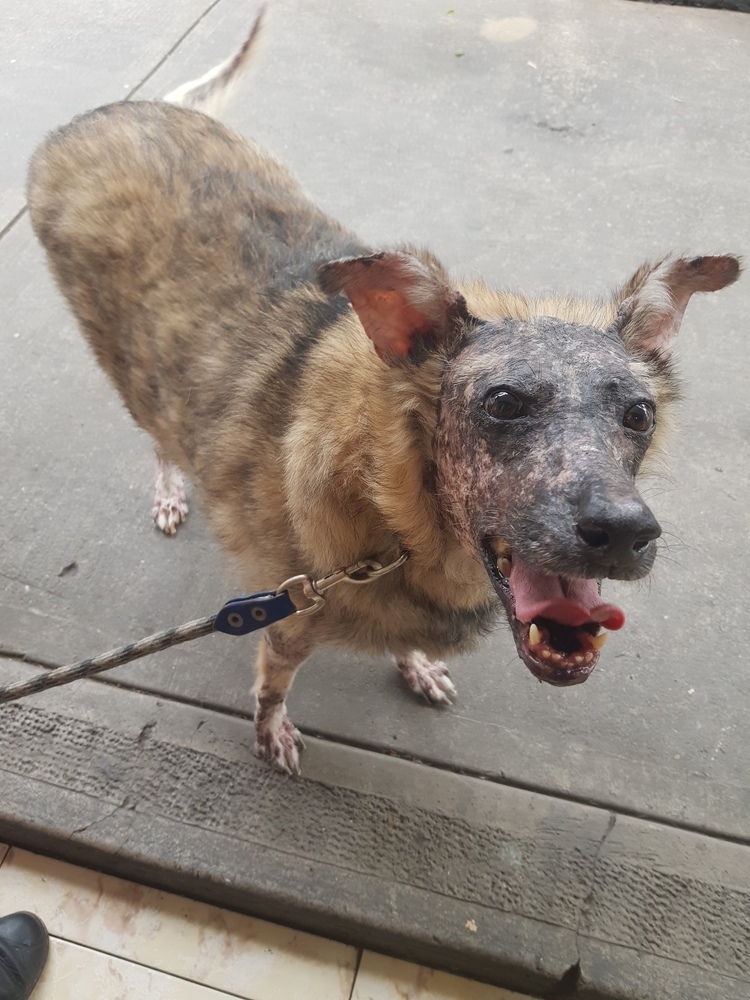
(278,741)
(430,680)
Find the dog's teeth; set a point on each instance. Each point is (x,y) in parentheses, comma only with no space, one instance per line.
(504,566)
(543,651)
(597,641)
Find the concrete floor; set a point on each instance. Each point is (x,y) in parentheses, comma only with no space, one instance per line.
(542,144)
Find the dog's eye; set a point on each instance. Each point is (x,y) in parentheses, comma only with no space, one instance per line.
(640,417)
(501,404)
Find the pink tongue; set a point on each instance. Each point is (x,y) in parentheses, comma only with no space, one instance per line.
(569,602)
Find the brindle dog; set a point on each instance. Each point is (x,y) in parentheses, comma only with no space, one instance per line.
(332,403)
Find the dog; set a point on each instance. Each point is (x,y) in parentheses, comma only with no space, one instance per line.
(335,402)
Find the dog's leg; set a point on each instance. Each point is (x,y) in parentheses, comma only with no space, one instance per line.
(277,739)
(170,505)
(429,679)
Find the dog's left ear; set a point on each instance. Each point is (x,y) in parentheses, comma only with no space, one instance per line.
(404,301)
(653,302)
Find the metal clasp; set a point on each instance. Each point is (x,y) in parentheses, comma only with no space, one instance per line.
(365,571)
(373,570)
(308,590)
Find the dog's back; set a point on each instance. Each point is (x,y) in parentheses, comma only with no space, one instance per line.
(146,210)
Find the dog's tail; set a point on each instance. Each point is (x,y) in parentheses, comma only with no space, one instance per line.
(215,89)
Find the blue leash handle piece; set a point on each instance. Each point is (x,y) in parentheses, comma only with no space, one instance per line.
(247,614)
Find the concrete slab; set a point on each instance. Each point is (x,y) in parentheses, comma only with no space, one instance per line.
(506,885)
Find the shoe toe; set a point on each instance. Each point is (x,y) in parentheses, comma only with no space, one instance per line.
(24,944)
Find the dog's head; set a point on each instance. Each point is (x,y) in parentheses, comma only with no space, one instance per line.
(546,412)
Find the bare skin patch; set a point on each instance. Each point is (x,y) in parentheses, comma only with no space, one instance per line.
(532,449)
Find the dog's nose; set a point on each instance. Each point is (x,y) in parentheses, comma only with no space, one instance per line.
(617,531)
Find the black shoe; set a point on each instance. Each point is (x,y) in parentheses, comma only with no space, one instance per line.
(24,944)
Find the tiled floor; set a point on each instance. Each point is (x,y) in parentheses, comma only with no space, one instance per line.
(115,940)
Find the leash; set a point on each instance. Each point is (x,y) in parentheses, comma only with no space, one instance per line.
(239,616)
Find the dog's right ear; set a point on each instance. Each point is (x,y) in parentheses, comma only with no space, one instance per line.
(404,302)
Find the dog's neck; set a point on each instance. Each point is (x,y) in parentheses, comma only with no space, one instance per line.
(367,494)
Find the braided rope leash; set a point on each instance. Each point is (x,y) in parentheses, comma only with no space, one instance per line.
(239,616)
(114,658)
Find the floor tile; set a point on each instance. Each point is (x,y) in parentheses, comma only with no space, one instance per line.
(246,957)
(76,973)
(381,978)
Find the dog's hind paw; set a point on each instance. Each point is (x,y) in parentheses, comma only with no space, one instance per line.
(430,680)
(278,741)
(170,504)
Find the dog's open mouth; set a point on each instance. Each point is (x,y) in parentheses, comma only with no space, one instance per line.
(556,621)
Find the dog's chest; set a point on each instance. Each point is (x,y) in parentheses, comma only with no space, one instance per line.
(395,619)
